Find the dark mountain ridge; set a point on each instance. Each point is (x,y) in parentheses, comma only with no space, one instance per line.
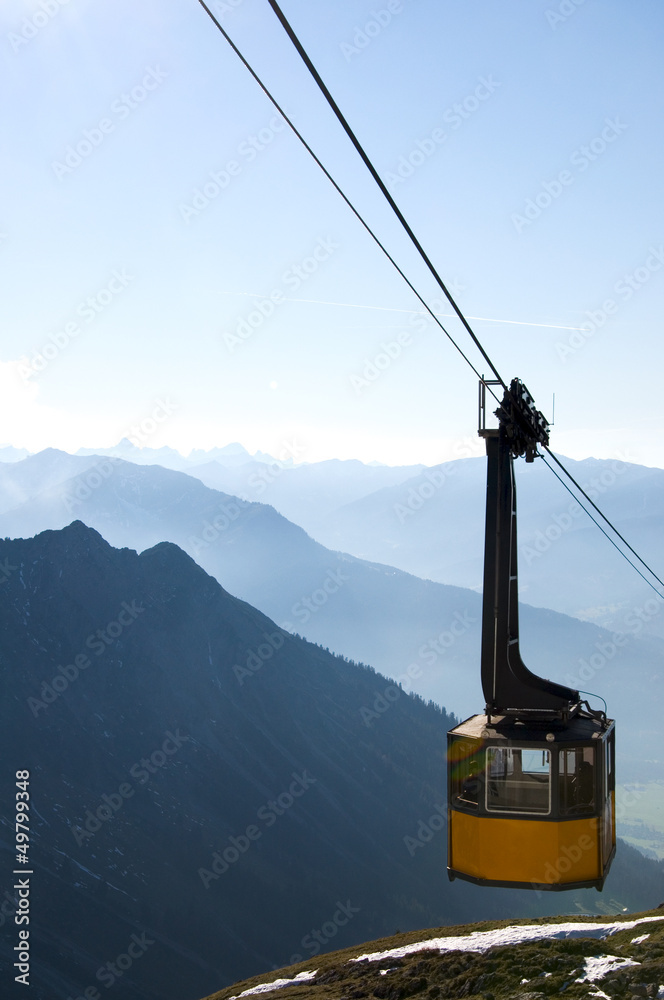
(206,789)
(426,634)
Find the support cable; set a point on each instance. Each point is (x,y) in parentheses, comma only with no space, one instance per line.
(612,526)
(379,181)
(348,202)
(365,158)
(595,521)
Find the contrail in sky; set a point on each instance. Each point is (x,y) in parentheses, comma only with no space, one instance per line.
(409,312)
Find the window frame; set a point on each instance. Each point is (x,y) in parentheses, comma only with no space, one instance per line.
(518,810)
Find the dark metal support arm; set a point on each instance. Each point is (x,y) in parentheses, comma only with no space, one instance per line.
(509,686)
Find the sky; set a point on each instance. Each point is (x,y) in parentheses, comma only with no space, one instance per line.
(176,269)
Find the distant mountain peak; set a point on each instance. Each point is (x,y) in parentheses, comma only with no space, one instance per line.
(235,448)
(76,538)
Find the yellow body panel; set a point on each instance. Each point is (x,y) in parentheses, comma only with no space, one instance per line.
(524,850)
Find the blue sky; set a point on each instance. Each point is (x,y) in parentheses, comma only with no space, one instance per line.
(522,141)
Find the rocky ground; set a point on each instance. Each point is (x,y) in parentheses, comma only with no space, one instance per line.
(623,966)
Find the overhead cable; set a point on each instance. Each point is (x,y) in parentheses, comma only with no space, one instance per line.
(612,526)
(338,189)
(379,181)
(347,128)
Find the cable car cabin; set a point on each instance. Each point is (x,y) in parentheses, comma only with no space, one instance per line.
(531,806)
(530,783)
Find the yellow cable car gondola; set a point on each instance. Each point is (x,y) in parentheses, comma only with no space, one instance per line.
(531,782)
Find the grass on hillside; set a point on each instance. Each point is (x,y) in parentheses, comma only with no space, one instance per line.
(528,971)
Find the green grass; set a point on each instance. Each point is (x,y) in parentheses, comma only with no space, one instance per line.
(497,974)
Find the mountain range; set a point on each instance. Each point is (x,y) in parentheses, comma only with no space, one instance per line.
(210,795)
(431,525)
(429,521)
(422,633)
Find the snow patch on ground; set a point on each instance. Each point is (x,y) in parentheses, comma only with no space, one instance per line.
(278,984)
(597,968)
(480,941)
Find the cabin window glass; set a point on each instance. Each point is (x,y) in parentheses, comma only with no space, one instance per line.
(518,780)
(576,781)
(466,766)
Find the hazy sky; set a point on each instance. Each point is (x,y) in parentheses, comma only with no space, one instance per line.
(173,259)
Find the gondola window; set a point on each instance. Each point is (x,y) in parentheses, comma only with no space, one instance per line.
(518,780)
